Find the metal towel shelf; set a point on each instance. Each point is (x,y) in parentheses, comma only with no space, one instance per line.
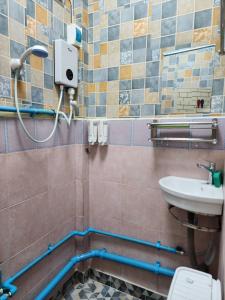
(213,125)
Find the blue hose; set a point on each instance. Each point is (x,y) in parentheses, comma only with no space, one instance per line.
(103,254)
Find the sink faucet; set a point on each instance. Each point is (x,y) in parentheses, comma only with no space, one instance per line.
(210,168)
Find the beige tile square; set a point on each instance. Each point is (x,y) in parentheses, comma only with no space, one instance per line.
(183,38)
(186,6)
(110,5)
(104,61)
(151,98)
(40,33)
(154,28)
(112,111)
(138,70)
(112,98)
(126,30)
(104,20)
(4,49)
(113,59)
(203,4)
(17,32)
(5,69)
(113,47)
(37,78)
(113,86)
(58,11)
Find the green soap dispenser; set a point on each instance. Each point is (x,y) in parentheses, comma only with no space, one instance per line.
(217,178)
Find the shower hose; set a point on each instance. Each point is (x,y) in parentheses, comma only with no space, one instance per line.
(58,112)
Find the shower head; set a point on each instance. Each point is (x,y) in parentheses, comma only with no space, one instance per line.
(40,51)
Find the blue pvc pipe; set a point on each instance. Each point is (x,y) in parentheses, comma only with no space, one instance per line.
(103,254)
(156,245)
(8,284)
(30,110)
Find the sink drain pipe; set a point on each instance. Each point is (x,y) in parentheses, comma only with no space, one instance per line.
(103,254)
(8,289)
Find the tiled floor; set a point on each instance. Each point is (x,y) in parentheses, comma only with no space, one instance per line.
(95,290)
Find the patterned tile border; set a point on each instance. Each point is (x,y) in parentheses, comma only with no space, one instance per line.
(126,132)
(111,281)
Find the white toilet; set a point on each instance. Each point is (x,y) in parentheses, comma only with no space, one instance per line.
(190,284)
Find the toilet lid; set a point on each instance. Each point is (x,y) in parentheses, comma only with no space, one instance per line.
(190,284)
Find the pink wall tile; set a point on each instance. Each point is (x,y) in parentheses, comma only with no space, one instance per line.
(3,182)
(61,202)
(17,138)
(28,222)
(3,139)
(120,132)
(43,128)
(5,235)
(61,166)
(26,175)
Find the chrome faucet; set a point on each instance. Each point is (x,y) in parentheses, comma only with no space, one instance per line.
(210,168)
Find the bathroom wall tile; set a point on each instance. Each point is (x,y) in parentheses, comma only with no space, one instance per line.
(58,213)
(120,135)
(185,23)
(5,90)
(137,96)
(3,25)
(113,73)
(105,194)
(167,41)
(168,26)
(5,241)
(17,139)
(127,14)
(218,87)
(48,81)
(113,33)
(156,12)
(28,214)
(169,9)
(17,11)
(141,133)
(62,158)
(203,18)
(100,111)
(65,133)
(114,17)
(22,181)
(4,7)
(43,128)
(30,8)
(140,11)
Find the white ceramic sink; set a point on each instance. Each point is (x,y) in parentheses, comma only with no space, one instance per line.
(192,195)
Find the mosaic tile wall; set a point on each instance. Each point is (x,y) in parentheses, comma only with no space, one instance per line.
(126,42)
(24,23)
(121,55)
(186,81)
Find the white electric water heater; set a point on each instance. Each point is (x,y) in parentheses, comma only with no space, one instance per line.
(66,64)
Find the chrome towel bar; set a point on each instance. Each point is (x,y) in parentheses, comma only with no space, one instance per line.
(193,125)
